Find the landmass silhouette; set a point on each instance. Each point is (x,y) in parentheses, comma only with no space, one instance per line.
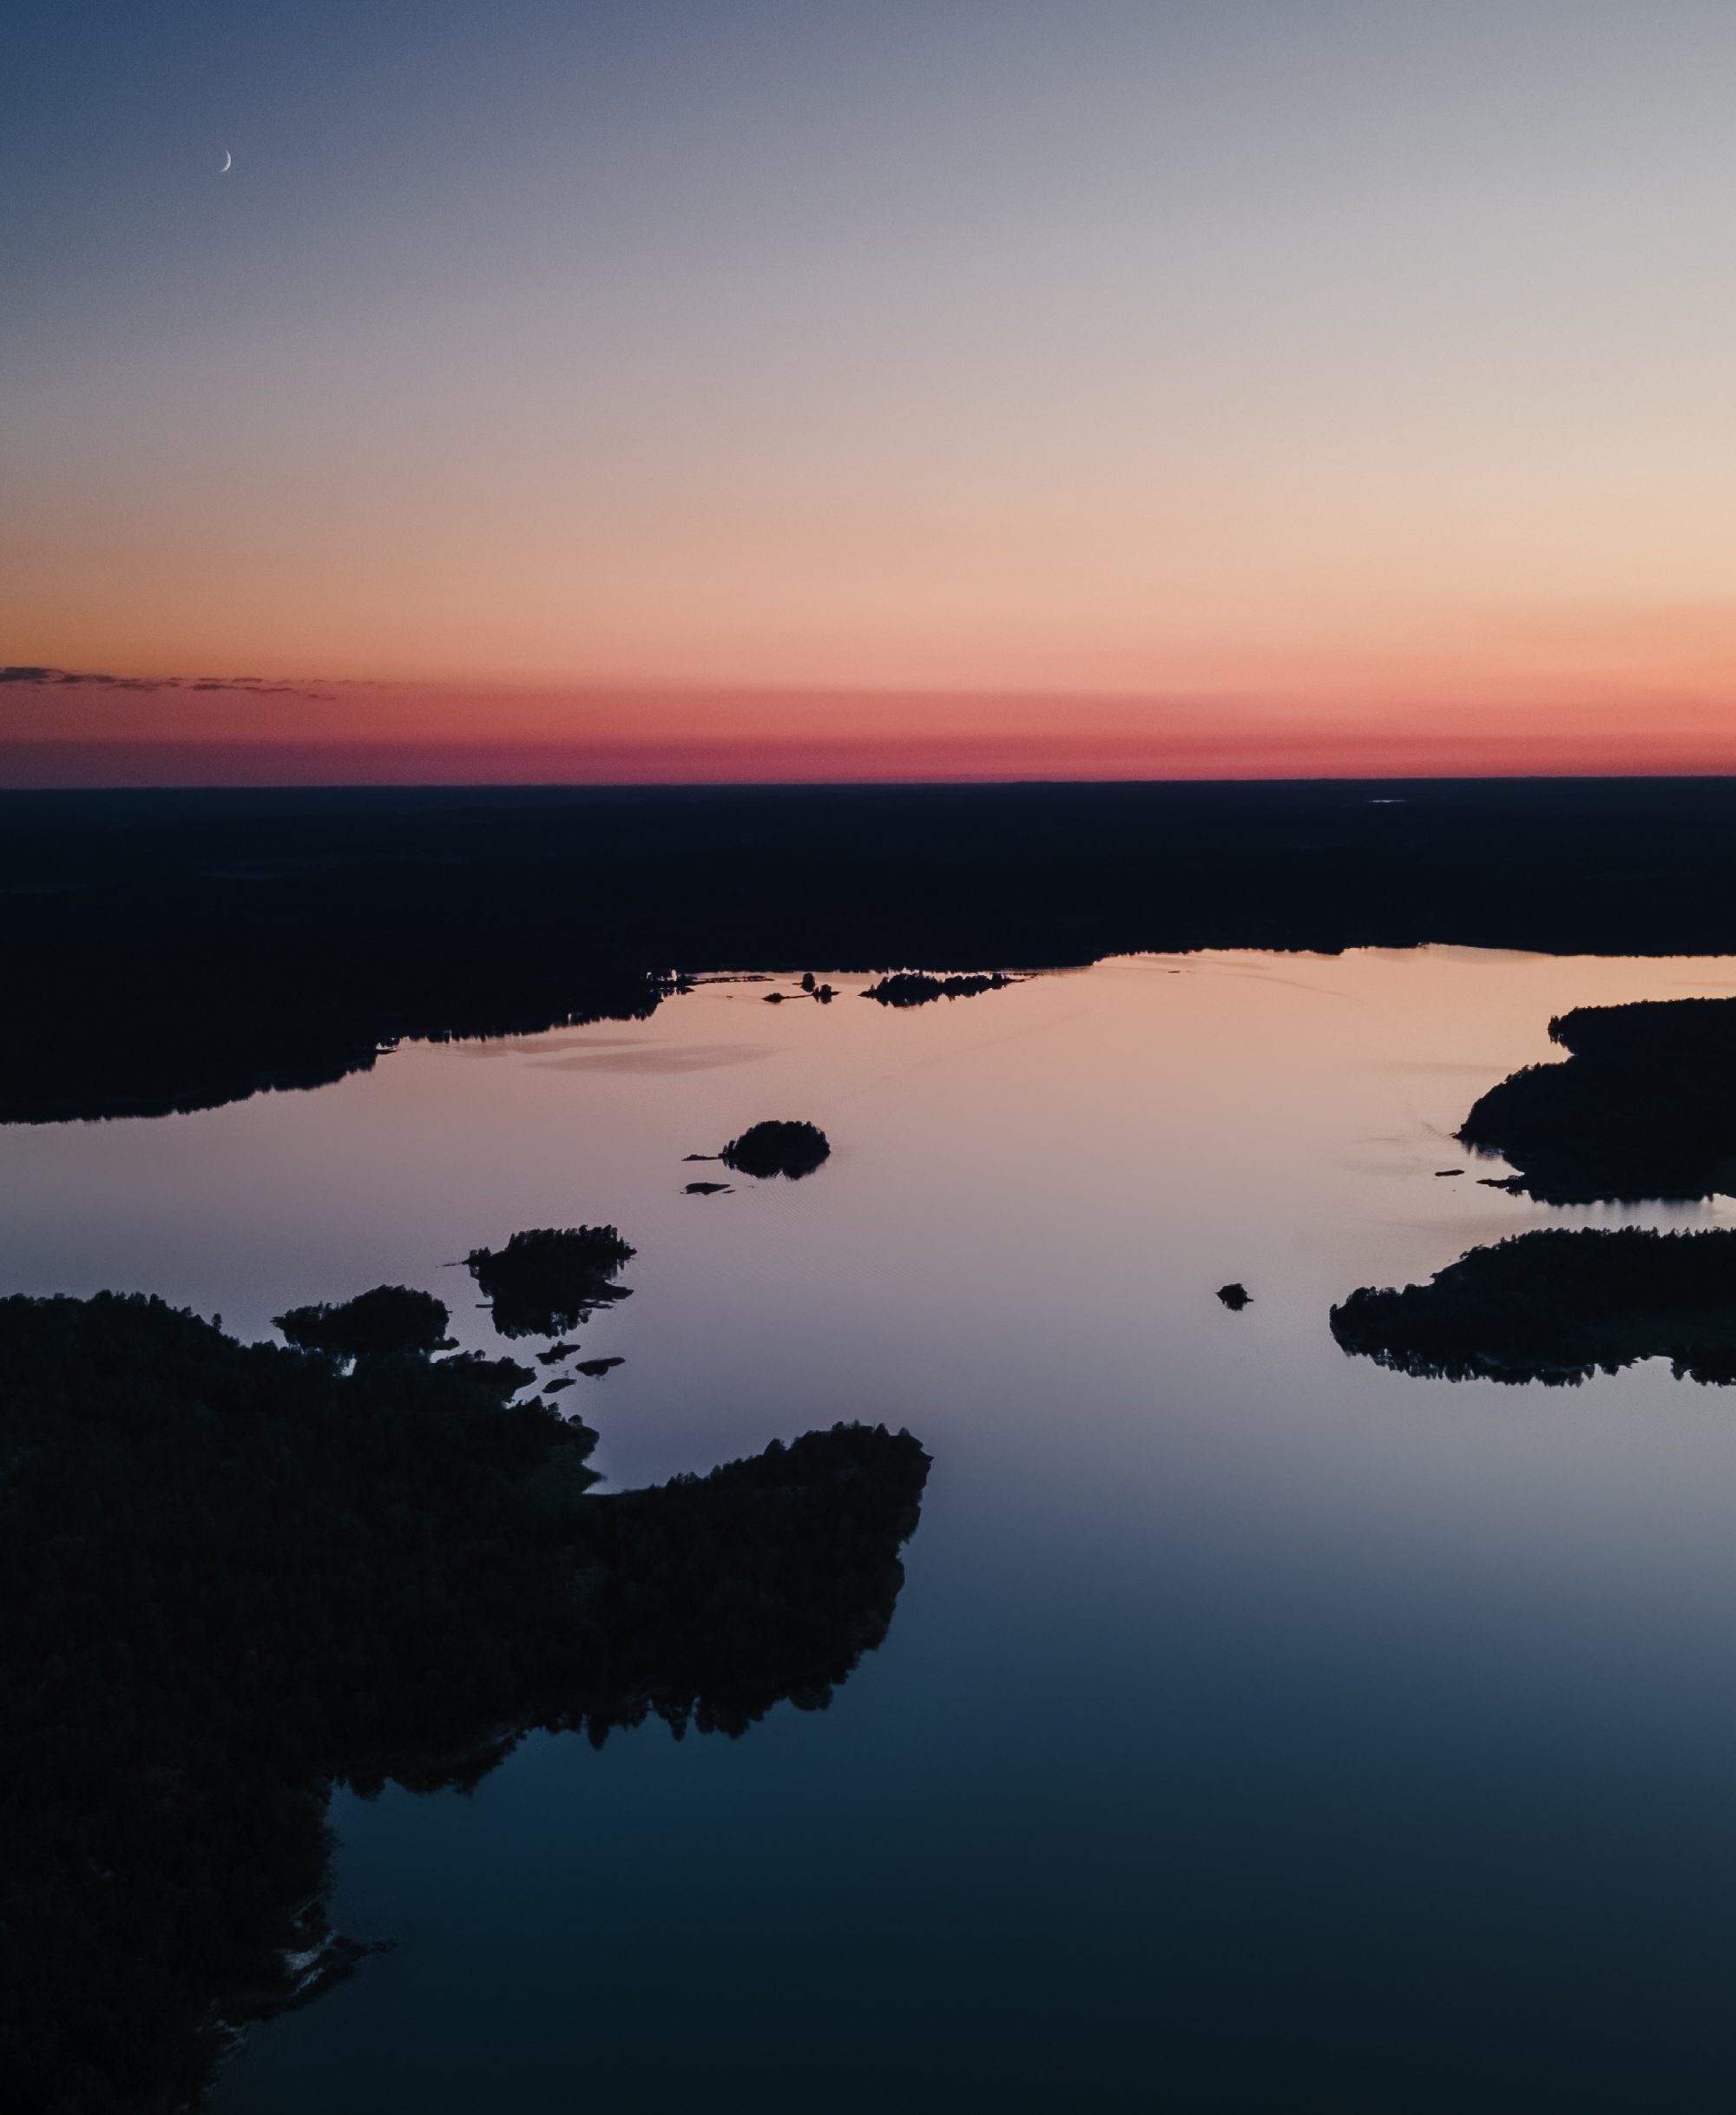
(1558,1305)
(548,1280)
(1641,1107)
(230,1574)
(917,988)
(773,1148)
(392,1318)
(175,950)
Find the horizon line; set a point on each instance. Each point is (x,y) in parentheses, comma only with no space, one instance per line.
(864,785)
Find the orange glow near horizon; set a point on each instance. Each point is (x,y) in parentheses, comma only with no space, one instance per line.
(1134,680)
(73,735)
(965,391)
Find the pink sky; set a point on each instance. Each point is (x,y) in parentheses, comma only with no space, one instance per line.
(954,390)
(66,734)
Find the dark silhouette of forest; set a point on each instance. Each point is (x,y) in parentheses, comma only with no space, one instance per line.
(918,988)
(1558,1305)
(774,1148)
(231,1573)
(548,1280)
(1641,1107)
(165,951)
(390,1319)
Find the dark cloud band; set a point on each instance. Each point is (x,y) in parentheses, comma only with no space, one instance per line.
(61,679)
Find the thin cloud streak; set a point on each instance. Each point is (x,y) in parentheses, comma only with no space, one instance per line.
(24,675)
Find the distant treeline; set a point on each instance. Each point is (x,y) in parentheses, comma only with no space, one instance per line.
(1558,1305)
(229,1573)
(175,951)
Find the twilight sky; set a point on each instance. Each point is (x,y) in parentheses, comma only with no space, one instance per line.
(792,388)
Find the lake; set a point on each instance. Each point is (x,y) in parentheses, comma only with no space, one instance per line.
(1259,1729)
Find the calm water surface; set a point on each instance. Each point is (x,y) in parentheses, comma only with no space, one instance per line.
(1258,1731)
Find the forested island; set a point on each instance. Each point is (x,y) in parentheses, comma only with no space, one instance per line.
(548,1280)
(230,1574)
(1558,1305)
(918,988)
(1641,1107)
(793,1148)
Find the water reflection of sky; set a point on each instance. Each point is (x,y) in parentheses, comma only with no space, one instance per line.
(1259,1729)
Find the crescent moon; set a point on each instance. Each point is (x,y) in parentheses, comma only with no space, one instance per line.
(228,163)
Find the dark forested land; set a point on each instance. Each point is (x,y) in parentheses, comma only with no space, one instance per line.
(917,988)
(229,1573)
(174,951)
(392,1318)
(1642,1107)
(1559,1305)
(776,1147)
(548,1280)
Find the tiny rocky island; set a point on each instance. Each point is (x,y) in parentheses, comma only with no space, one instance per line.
(771,1149)
(1557,1306)
(233,1573)
(1641,1107)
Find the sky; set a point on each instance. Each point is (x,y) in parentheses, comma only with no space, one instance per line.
(786,389)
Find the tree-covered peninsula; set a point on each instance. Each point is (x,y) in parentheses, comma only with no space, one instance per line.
(1641,1107)
(1558,1305)
(230,1574)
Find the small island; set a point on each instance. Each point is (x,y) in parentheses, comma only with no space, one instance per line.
(548,1280)
(1557,1306)
(918,988)
(1641,1107)
(771,1149)
(232,1574)
(390,1320)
